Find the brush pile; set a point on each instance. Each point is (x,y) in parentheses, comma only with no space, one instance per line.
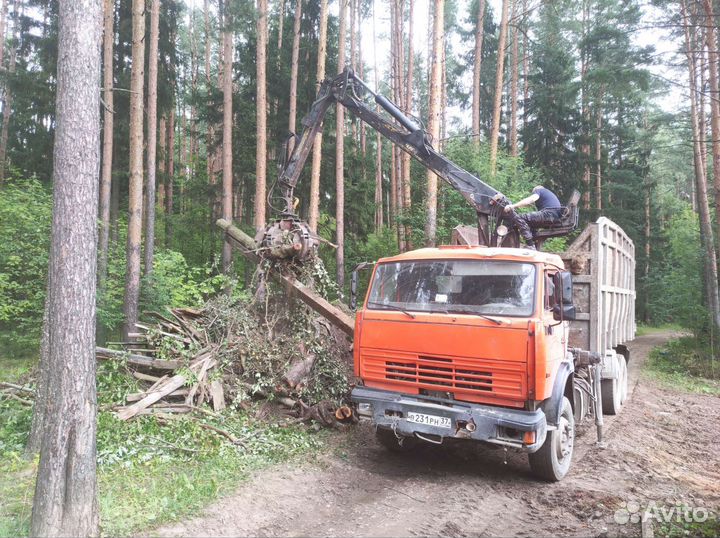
(238,352)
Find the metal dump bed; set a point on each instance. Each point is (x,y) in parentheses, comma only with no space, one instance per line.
(602,260)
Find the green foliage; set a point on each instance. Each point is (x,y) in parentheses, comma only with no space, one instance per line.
(674,289)
(25,219)
(148,473)
(687,363)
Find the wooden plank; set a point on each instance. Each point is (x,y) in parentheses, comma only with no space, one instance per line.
(137,360)
(246,245)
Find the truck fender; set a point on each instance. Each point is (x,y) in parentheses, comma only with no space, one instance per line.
(563,387)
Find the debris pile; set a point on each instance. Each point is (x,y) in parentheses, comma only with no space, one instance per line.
(236,352)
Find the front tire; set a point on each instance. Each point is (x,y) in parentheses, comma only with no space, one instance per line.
(552,461)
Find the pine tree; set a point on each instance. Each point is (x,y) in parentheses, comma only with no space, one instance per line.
(314,212)
(107,150)
(340,157)
(152,136)
(477,65)
(227,191)
(137,88)
(261,114)
(65,501)
(434,116)
(497,108)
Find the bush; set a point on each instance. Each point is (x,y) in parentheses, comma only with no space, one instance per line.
(25,220)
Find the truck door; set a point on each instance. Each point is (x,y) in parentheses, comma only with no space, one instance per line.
(555,331)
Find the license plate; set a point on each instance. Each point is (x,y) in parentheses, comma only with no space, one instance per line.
(429,420)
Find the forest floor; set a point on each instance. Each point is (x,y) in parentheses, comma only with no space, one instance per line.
(661,449)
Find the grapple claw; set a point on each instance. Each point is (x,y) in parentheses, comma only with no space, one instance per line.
(287,238)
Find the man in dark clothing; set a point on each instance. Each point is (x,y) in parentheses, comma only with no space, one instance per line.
(549,212)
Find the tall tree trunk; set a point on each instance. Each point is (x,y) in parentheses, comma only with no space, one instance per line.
(227,194)
(194,67)
(210,142)
(261,114)
(379,201)
(706,230)
(647,238)
(135,212)
(314,212)
(152,136)
(361,72)
(162,155)
(438,43)
(8,101)
(3,23)
(398,80)
(497,109)
(714,91)
(107,149)
(514,76)
(585,110)
(170,175)
(408,105)
(340,155)
(292,115)
(598,150)
(65,502)
(526,64)
(477,65)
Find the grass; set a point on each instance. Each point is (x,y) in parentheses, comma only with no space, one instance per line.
(643,329)
(687,364)
(148,473)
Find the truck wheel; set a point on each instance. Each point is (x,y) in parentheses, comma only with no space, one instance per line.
(614,391)
(552,461)
(389,440)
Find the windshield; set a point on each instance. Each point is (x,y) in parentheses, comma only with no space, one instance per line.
(455,286)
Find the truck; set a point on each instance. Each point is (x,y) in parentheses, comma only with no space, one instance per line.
(497,345)
(482,340)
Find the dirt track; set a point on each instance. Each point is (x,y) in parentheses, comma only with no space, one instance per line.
(661,448)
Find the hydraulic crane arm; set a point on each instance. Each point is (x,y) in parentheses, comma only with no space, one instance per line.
(348,90)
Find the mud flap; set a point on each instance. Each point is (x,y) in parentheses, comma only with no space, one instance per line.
(552,407)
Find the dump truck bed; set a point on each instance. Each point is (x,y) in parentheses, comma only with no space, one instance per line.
(602,260)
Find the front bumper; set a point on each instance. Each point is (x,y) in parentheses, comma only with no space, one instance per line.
(497,425)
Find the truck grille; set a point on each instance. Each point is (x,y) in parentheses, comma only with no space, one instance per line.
(457,375)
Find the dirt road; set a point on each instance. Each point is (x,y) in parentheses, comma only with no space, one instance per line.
(661,448)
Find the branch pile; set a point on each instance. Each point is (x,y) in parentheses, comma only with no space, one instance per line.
(237,352)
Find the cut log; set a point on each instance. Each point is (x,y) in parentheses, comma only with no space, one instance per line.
(137,396)
(137,360)
(172,384)
(145,377)
(218,395)
(246,246)
(299,371)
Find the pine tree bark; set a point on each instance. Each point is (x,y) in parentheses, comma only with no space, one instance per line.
(3,22)
(398,80)
(497,108)
(152,136)
(108,127)
(292,115)
(438,43)
(261,114)
(598,149)
(714,91)
(514,86)
(379,200)
(585,110)
(706,229)
(210,142)
(135,199)
(227,194)
(340,156)
(65,502)
(314,212)
(408,105)
(477,65)
(170,175)
(162,163)
(8,101)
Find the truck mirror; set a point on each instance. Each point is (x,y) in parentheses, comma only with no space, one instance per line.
(562,281)
(564,312)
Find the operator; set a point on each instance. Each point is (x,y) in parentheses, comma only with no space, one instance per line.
(549,212)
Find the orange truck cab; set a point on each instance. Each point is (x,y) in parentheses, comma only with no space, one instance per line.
(470,343)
